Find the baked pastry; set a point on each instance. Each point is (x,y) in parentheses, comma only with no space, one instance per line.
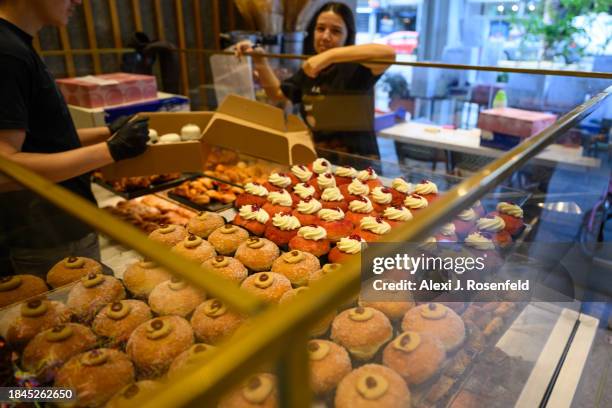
(16,288)
(372,228)
(482,245)
(369,177)
(71,269)
(344,175)
(415,356)
(495,228)
(169,138)
(35,316)
(278,202)
(415,203)
(396,215)
(268,286)
(372,386)
(302,191)
(227,267)
(360,208)
(320,165)
(447,233)
(332,198)
(190,132)
(400,189)
(213,322)
(259,391)
(312,239)
(228,238)
(254,194)
(296,266)
(124,398)
(93,291)
(512,215)
(252,218)
(438,320)
(354,190)
(335,223)
(51,348)
(381,198)
(329,363)
(362,331)
(175,297)
(195,248)
(169,235)
(326,269)
(257,254)
(95,376)
(427,189)
(300,174)
(325,180)
(346,248)
(278,182)
(195,355)
(306,211)
(205,223)
(283,227)
(117,320)
(141,277)
(156,343)
(394,304)
(465,222)
(321,327)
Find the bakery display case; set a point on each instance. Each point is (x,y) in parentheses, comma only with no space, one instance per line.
(243,285)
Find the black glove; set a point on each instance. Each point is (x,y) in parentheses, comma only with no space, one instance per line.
(130,141)
(119,123)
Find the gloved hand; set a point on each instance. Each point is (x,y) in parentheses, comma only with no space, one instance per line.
(130,141)
(119,123)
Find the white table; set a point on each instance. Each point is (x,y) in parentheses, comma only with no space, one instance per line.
(468,141)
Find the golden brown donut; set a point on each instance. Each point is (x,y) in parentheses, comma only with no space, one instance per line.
(329,363)
(175,297)
(415,356)
(323,325)
(169,235)
(438,320)
(228,238)
(259,391)
(213,322)
(362,331)
(95,376)
(227,267)
(156,343)
(257,254)
(91,293)
(319,274)
(297,266)
(141,277)
(268,286)
(35,316)
(393,310)
(117,320)
(205,223)
(372,386)
(71,269)
(51,348)
(123,399)
(196,355)
(16,288)
(195,248)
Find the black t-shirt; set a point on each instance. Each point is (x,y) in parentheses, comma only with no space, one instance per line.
(30,100)
(337,104)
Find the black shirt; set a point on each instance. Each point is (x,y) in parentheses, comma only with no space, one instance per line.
(338,104)
(30,100)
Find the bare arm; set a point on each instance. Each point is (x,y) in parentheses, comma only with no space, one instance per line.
(267,78)
(90,136)
(319,62)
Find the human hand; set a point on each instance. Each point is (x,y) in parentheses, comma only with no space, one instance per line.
(246,47)
(119,123)
(314,65)
(130,140)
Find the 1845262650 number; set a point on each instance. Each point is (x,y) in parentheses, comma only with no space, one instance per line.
(41,394)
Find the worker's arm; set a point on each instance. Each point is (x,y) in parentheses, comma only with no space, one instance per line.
(314,65)
(91,136)
(268,80)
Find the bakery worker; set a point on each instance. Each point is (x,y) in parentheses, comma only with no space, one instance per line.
(36,131)
(336,95)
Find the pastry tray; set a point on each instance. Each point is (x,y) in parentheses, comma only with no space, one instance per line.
(212,206)
(154,188)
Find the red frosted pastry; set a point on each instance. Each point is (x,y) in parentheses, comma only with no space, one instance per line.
(354,190)
(254,193)
(278,201)
(344,175)
(427,189)
(512,215)
(372,228)
(465,222)
(496,228)
(300,174)
(447,233)
(320,166)
(252,218)
(335,223)
(302,191)
(278,182)
(306,211)
(400,189)
(397,215)
(359,208)
(415,203)
(332,198)
(482,246)
(283,227)
(312,239)
(346,248)
(381,198)
(369,177)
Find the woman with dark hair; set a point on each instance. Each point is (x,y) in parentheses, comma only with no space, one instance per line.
(335,93)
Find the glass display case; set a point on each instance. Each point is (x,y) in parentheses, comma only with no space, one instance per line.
(548,348)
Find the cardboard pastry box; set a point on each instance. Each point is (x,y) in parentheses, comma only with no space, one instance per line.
(241,124)
(504,128)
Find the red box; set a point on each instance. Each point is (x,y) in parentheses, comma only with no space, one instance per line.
(515,122)
(107,89)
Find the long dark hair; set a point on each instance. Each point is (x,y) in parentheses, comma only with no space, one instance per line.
(338,8)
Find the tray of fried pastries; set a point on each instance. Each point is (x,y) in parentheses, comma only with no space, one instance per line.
(205,194)
(132,187)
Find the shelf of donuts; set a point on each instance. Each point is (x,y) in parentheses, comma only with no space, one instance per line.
(205,194)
